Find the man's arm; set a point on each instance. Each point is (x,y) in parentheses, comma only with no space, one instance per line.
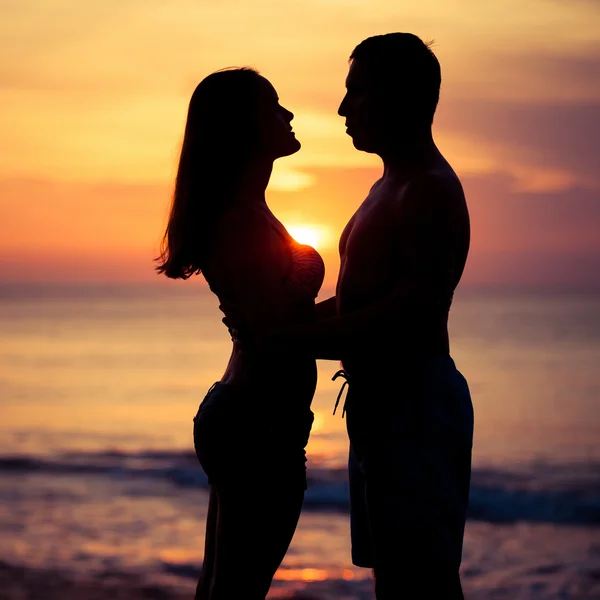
(424,228)
(398,314)
(326,309)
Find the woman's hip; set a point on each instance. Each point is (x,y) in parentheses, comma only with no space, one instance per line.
(239,430)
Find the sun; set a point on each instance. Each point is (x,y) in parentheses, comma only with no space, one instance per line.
(312,235)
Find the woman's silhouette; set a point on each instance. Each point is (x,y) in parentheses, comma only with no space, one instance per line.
(253,425)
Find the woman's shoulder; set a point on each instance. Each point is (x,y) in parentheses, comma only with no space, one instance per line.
(247,234)
(245,221)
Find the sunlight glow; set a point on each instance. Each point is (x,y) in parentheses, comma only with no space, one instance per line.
(285,179)
(318,422)
(308,575)
(301,575)
(313,235)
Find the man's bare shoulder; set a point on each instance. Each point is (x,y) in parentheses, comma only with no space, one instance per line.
(437,189)
(441,180)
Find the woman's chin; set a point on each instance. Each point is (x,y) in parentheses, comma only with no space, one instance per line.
(296,145)
(291,147)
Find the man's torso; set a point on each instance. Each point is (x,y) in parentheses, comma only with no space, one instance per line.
(373,249)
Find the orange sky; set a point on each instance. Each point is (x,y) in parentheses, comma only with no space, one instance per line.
(94,97)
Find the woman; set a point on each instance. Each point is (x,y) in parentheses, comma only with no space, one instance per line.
(252,427)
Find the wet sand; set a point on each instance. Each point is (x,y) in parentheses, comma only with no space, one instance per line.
(20,583)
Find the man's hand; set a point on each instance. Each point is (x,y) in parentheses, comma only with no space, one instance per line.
(273,339)
(238,333)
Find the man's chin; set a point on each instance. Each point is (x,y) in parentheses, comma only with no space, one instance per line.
(363,146)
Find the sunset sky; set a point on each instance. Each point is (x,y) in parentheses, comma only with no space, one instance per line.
(93,99)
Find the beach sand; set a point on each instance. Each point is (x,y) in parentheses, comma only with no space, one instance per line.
(20,583)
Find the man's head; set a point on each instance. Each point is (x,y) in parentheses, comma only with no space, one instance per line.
(393,88)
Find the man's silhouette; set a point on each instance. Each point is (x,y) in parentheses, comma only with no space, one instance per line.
(409,412)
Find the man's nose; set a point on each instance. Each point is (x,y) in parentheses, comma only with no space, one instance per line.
(289,115)
(342,108)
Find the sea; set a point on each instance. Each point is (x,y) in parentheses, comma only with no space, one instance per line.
(98,478)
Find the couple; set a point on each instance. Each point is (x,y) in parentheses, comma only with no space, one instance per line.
(409,413)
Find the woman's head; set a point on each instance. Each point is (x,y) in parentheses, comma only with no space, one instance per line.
(235,115)
(234,121)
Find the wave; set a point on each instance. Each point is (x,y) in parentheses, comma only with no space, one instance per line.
(547,493)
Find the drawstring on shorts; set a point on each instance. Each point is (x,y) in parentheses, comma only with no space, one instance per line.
(341,373)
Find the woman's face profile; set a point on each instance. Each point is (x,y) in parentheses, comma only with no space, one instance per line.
(276,138)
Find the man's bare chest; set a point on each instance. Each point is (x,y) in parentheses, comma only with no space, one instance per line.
(373,230)
(370,246)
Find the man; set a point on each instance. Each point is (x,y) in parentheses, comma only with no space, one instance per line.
(409,412)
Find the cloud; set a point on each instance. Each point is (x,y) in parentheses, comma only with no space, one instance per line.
(531,140)
(554,222)
(518,238)
(527,238)
(94,91)
(559,75)
(98,92)
(285,179)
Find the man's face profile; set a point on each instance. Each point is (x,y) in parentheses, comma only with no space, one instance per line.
(357,107)
(367,110)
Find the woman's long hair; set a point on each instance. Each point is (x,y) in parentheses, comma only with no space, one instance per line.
(221,134)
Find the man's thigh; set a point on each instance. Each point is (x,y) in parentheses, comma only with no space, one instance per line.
(414,495)
(410,468)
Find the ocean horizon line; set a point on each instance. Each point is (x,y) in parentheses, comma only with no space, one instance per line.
(73,289)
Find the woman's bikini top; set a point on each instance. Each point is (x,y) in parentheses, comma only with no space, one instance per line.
(301,283)
(306,273)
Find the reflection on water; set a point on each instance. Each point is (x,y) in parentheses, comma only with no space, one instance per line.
(97,471)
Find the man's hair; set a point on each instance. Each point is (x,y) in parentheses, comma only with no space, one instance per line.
(402,65)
